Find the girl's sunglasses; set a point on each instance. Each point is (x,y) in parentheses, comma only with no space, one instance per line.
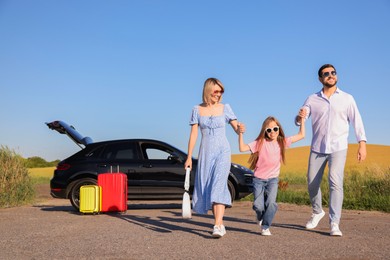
(218,92)
(269,130)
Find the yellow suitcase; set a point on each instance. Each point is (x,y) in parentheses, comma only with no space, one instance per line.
(90,199)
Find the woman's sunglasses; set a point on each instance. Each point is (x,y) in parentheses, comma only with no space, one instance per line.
(269,130)
(218,92)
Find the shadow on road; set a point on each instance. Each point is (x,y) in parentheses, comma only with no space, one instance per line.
(200,225)
(299,227)
(170,221)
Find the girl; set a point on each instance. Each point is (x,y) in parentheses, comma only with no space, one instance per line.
(268,151)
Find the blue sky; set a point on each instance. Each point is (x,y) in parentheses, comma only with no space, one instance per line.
(135,69)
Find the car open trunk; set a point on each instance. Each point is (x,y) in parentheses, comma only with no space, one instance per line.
(63,128)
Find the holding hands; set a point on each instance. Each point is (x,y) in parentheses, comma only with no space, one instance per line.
(240,128)
(302,114)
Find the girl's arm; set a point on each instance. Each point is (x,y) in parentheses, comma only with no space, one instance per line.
(301,133)
(243,146)
(191,145)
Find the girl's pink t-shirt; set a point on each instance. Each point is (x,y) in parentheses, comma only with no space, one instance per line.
(268,164)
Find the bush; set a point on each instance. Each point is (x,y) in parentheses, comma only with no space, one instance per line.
(16,186)
(364,189)
(38,162)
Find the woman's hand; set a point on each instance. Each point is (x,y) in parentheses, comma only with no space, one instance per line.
(241,127)
(188,163)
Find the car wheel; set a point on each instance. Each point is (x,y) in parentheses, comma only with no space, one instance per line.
(232,190)
(74,195)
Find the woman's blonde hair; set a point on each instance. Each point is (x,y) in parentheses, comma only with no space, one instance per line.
(208,87)
(260,140)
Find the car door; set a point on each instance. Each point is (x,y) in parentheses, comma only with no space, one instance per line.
(123,156)
(162,171)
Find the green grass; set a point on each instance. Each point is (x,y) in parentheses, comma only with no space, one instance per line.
(363,190)
(366,184)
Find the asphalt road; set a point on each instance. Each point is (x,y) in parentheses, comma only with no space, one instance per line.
(51,229)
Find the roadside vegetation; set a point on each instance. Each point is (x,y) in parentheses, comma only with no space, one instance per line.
(367,189)
(366,184)
(38,162)
(16,185)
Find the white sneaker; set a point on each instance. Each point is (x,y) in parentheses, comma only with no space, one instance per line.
(335,230)
(219,231)
(315,219)
(259,222)
(265,232)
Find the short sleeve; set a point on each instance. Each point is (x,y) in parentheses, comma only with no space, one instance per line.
(288,142)
(229,114)
(194,116)
(253,146)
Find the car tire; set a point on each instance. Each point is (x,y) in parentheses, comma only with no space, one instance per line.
(232,190)
(74,194)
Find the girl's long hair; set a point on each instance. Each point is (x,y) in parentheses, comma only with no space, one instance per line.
(263,136)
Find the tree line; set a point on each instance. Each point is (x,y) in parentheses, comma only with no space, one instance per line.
(38,162)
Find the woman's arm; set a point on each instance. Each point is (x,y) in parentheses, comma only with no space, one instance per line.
(191,145)
(235,125)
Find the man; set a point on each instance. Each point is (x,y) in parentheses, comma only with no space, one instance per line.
(331,111)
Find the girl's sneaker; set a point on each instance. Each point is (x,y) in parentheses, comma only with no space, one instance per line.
(265,232)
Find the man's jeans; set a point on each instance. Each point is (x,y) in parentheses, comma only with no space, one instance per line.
(336,163)
(264,204)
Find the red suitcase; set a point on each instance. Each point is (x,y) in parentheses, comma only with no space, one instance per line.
(114,191)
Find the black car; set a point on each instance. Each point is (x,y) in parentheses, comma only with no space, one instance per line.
(154,169)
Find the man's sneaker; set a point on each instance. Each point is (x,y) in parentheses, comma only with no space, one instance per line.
(259,222)
(219,231)
(265,232)
(315,219)
(335,230)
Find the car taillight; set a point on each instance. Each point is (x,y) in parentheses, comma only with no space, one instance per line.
(63,167)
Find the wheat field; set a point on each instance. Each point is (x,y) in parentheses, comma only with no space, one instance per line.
(378,156)
(44,172)
(366,184)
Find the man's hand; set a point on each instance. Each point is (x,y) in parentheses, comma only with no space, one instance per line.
(362,151)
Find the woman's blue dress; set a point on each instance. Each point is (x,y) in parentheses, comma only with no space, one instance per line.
(214,161)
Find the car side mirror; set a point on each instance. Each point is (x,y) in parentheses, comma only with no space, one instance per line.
(175,158)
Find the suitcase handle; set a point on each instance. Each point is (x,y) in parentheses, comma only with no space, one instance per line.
(117,168)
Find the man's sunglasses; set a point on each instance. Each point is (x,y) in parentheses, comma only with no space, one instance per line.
(327,74)
(269,130)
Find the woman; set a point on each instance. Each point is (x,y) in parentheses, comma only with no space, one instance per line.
(210,189)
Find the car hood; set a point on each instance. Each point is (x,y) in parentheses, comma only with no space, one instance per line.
(63,128)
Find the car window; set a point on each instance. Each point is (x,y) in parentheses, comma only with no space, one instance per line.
(153,151)
(120,151)
(95,153)
(156,154)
